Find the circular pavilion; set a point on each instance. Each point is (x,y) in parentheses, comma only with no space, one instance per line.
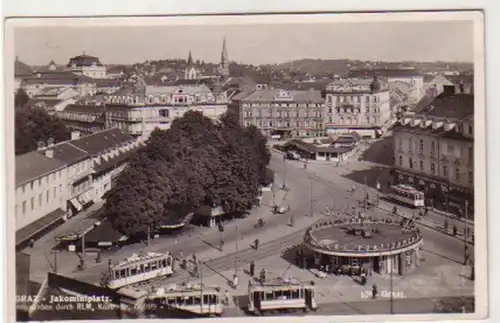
(381,246)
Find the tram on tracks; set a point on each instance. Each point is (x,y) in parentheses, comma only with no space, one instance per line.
(407,194)
(195,299)
(140,268)
(281,295)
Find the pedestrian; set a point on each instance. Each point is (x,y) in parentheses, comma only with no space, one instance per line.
(226,297)
(455,230)
(32,243)
(235,281)
(109,262)
(181,254)
(194,258)
(256,244)
(374,291)
(98,258)
(292,220)
(252,269)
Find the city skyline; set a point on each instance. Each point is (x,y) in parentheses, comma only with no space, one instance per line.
(451,41)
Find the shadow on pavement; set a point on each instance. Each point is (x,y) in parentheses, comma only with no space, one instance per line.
(371,176)
(380,152)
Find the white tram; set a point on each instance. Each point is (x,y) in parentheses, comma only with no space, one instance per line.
(139,268)
(407,194)
(281,294)
(192,298)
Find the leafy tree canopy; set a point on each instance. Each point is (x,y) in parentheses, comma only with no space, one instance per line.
(33,125)
(197,162)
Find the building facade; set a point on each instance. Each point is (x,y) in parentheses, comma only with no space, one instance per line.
(408,76)
(59,180)
(359,105)
(87,65)
(284,113)
(434,151)
(140,114)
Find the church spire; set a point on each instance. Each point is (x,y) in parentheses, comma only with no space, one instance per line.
(190,59)
(224,57)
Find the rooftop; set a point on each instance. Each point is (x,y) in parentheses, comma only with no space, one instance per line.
(67,153)
(34,165)
(84,60)
(346,235)
(99,142)
(453,106)
(22,69)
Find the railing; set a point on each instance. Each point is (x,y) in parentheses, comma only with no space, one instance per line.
(375,248)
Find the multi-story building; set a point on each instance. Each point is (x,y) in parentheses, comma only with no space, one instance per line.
(284,113)
(85,118)
(78,173)
(434,150)
(41,195)
(86,65)
(54,99)
(359,105)
(109,151)
(140,113)
(59,180)
(39,83)
(410,77)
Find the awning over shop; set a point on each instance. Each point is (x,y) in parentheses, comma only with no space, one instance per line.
(85,198)
(76,204)
(31,229)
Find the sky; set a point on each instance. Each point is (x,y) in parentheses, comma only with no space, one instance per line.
(250,43)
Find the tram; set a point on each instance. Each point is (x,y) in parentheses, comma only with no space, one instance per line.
(407,194)
(139,268)
(281,295)
(193,298)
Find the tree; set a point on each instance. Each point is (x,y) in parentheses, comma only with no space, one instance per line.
(33,125)
(262,154)
(194,163)
(21,98)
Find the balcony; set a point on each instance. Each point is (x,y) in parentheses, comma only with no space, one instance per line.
(79,176)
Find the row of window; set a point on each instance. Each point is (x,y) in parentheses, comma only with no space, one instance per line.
(375,109)
(282,105)
(285,114)
(43,199)
(451,149)
(349,98)
(444,172)
(297,124)
(38,183)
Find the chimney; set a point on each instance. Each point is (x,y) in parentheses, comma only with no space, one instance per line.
(40,145)
(448,90)
(75,135)
(49,152)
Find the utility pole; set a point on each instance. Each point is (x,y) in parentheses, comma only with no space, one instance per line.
(284,174)
(55,255)
(391,300)
(236,258)
(200,270)
(466,232)
(366,198)
(149,233)
(311,197)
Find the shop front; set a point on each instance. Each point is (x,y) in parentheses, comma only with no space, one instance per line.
(438,194)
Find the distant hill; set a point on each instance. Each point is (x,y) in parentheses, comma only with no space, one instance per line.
(317,67)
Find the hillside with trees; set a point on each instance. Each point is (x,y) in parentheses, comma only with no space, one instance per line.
(194,163)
